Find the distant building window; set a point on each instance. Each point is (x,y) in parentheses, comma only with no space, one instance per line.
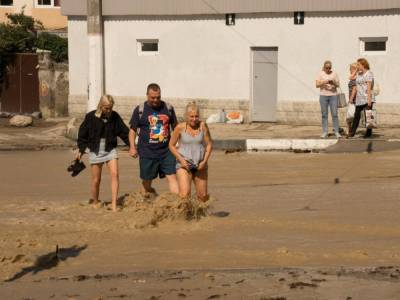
(48,3)
(6,2)
(299,18)
(373,45)
(147,47)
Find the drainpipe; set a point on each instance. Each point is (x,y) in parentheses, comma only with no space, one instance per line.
(96,53)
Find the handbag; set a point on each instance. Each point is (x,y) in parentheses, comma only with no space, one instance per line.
(351,110)
(371,118)
(342,102)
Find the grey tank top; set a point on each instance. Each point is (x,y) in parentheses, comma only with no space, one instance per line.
(192,147)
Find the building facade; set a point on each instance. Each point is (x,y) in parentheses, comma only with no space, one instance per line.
(47,11)
(259,57)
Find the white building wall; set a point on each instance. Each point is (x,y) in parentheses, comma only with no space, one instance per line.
(203,58)
(192,60)
(78,66)
(78,56)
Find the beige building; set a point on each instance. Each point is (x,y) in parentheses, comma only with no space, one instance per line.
(47,11)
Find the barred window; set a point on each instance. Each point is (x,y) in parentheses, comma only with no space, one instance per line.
(373,45)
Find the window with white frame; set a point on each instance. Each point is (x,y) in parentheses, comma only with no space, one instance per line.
(6,2)
(147,47)
(48,3)
(373,45)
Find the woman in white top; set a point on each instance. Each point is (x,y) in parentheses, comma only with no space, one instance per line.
(328,82)
(364,97)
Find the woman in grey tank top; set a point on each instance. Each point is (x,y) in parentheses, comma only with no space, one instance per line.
(191,144)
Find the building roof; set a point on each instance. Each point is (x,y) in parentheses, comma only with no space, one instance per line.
(207,7)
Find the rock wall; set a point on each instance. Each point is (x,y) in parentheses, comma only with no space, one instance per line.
(53,86)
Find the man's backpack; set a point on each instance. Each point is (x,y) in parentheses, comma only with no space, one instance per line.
(141,109)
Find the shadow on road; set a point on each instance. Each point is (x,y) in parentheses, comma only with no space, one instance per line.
(49,261)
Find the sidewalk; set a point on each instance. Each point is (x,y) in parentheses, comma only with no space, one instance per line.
(297,138)
(279,137)
(62,133)
(44,134)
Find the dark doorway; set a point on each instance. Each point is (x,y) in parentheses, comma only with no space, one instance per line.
(20,93)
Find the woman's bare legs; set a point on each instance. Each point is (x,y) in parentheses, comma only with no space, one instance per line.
(95,184)
(201,182)
(184,181)
(113,169)
(173,184)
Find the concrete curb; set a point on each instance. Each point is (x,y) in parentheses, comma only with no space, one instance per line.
(288,144)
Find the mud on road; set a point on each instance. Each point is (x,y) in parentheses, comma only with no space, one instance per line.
(294,226)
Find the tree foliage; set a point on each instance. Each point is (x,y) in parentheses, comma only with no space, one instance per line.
(20,35)
(57,45)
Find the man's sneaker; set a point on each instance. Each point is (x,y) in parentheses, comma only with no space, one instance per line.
(338,135)
(324,135)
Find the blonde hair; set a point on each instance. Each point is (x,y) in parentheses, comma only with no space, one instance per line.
(327,62)
(104,100)
(192,106)
(353,66)
(364,63)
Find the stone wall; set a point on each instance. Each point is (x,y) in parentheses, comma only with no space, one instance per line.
(309,113)
(125,105)
(294,113)
(53,86)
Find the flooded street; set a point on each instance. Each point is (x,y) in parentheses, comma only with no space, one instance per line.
(297,226)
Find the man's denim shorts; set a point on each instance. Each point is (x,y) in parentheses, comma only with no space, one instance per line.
(150,168)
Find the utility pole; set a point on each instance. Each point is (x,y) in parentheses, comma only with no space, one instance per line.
(96,53)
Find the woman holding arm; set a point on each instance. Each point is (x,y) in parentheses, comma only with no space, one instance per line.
(99,132)
(192,154)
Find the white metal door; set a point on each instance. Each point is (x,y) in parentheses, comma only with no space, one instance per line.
(264,84)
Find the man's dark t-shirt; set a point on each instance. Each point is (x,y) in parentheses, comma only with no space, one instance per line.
(154,129)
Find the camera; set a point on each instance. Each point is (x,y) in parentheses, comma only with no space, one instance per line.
(192,168)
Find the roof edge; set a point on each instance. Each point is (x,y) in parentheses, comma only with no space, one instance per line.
(215,7)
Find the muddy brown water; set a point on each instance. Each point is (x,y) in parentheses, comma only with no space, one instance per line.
(285,213)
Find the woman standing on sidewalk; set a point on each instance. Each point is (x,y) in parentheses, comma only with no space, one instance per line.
(328,82)
(99,132)
(365,97)
(192,154)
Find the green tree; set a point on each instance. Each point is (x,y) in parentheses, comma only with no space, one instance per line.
(20,35)
(57,45)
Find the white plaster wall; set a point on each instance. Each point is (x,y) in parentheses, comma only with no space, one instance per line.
(192,60)
(78,56)
(203,58)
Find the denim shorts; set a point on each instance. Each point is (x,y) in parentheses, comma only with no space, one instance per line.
(150,168)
